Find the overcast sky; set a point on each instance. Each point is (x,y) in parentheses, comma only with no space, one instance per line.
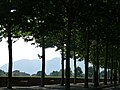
(23,50)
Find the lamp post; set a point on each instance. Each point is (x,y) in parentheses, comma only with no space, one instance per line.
(94,43)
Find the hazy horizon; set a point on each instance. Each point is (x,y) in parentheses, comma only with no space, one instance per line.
(31,66)
(24,50)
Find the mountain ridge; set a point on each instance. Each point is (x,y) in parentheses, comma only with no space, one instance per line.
(32,66)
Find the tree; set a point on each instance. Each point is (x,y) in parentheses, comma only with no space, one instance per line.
(9,21)
(2,73)
(39,73)
(71,73)
(55,73)
(90,71)
(79,72)
(18,73)
(49,21)
(102,73)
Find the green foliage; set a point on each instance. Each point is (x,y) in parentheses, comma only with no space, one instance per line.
(71,73)
(79,72)
(55,73)
(51,19)
(58,73)
(90,71)
(18,73)
(14,73)
(2,73)
(39,73)
(102,73)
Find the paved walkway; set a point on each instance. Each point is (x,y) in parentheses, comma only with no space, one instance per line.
(79,86)
(47,87)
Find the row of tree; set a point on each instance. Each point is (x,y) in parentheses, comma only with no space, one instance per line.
(89,28)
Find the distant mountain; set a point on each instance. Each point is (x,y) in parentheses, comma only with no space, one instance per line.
(32,66)
(24,65)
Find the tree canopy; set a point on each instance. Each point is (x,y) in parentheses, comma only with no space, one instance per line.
(50,18)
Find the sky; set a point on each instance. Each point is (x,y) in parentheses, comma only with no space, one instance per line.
(23,50)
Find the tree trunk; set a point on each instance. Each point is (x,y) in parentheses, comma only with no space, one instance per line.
(93,76)
(9,82)
(68,44)
(67,84)
(105,64)
(115,71)
(111,73)
(97,60)
(43,61)
(62,63)
(119,71)
(116,65)
(108,74)
(86,59)
(75,71)
(94,67)
(68,61)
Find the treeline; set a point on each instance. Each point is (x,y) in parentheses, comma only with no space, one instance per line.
(55,73)
(83,29)
(59,73)
(14,73)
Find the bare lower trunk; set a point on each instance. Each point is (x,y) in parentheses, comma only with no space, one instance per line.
(105,66)
(9,82)
(86,59)
(43,62)
(75,72)
(62,63)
